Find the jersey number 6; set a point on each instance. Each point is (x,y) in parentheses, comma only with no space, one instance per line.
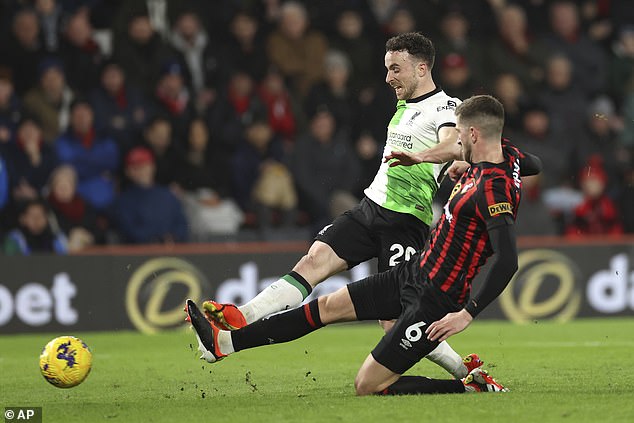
(413,333)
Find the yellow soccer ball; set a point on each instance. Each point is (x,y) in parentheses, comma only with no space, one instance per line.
(65,361)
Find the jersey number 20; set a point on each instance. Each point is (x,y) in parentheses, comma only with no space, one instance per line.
(395,258)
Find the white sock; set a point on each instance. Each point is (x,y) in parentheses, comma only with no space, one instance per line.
(448,359)
(281,295)
(225,345)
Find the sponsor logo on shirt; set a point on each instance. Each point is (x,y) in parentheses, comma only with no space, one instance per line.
(467,186)
(454,191)
(451,105)
(500,208)
(324,229)
(405,344)
(400,140)
(410,122)
(516,174)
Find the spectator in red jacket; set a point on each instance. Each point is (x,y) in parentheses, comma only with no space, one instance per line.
(597,214)
(238,106)
(279,105)
(172,98)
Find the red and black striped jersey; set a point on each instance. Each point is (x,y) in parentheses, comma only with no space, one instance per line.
(487,195)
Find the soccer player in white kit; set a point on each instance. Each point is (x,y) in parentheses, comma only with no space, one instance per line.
(392,221)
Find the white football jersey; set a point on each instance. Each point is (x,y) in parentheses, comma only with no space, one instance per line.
(413,128)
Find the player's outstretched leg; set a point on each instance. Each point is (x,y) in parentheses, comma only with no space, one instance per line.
(419,385)
(215,343)
(228,317)
(477,380)
(286,293)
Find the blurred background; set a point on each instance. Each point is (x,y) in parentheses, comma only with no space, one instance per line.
(220,136)
(172,121)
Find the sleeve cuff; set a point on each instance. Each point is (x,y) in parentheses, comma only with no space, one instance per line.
(472,308)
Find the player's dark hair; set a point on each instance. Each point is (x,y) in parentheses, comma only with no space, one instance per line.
(483,111)
(415,44)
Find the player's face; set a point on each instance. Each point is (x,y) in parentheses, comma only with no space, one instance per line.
(464,141)
(401,73)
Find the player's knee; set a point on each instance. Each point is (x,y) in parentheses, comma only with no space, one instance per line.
(318,263)
(309,261)
(363,386)
(314,259)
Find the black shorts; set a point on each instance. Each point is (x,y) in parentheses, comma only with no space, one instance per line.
(401,293)
(369,230)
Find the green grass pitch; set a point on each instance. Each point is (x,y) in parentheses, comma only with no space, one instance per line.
(575,372)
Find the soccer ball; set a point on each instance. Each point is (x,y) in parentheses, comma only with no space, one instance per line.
(65,361)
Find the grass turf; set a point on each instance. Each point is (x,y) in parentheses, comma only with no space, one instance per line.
(579,371)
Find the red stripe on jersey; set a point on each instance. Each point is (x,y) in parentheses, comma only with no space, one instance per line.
(473,265)
(509,194)
(450,234)
(309,317)
(479,249)
(463,255)
(466,290)
(488,191)
(433,240)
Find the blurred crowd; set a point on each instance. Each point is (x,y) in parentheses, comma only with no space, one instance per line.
(144,121)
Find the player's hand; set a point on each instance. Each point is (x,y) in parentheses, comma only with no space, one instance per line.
(456,170)
(403,158)
(449,325)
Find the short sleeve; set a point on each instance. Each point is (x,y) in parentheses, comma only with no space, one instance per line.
(446,113)
(496,202)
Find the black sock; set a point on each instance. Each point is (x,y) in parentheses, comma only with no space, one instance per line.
(278,328)
(423,385)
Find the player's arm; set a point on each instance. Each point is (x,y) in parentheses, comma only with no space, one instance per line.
(502,239)
(530,164)
(456,169)
(446,150)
